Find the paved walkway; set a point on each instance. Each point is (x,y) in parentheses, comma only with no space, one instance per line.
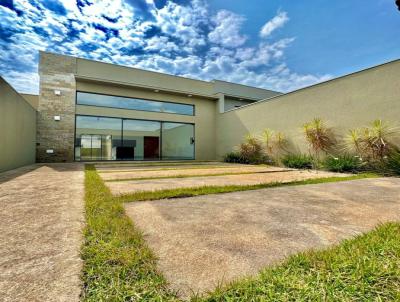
(204,240)
(41,218)
(278,175)
(185,172)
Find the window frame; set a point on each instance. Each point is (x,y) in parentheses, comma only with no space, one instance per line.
(127,97)
(122,137)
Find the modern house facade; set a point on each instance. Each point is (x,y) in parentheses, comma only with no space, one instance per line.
(93,111)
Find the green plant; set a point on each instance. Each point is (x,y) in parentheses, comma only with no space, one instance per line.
(275,142)
(392,163)
(342,163)
(373,143)
(251,150)
(297,161)
(318,136)
(365,268)
(233,157)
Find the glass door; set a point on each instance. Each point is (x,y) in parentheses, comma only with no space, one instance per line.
(177,141)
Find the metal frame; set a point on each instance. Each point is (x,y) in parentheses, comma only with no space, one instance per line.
(122,135)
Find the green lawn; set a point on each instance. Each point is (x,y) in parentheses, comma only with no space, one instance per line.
(118,265)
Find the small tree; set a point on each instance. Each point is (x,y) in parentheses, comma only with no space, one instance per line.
(319,137)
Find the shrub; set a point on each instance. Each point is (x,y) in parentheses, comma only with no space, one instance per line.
(251,150)
(393,163)
(373,143)
(319,137)
(297,161)
(342,163)
(233,157)
(275,142)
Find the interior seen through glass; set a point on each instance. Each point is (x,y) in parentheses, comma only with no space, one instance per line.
(104,138)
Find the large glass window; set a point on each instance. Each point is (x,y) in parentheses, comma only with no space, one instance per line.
(142,138)
(84,98)
(97,138)
(178,141)
(104,138)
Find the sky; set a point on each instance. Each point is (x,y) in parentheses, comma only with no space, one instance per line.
(279,45)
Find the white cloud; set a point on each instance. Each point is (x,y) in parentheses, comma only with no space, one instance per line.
(187,40)
(226,30)
(276,22)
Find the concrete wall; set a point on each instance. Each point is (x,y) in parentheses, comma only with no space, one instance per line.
(344,103)
(230,103)
(32,99)
(17,129)
(244,91)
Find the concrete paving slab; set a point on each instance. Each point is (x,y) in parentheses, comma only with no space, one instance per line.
(124,187)
(202,241)
(157,165)
(41,218)
(185,172)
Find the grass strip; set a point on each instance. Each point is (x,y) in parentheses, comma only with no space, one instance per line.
(118,265)
(195,175)
(190,192)
(365,268)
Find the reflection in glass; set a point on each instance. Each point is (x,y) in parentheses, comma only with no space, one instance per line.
(84,98)
(143,137)
(103,138)
(97,138)
(177,141)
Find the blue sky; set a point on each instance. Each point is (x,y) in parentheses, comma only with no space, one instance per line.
(280,45)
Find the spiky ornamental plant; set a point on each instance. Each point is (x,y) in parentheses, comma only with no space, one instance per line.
(251,149)
(319,137)
(373,143)
(275,143)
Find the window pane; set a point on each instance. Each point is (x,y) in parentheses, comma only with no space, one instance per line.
(84,98)
(141,140)
(177,141)
(97,138)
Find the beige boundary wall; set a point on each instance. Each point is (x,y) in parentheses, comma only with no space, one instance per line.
(343,103)
(17,129)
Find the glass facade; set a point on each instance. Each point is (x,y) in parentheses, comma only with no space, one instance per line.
(84,98)
(105,138)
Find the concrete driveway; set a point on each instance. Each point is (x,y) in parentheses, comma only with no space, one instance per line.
(41,220)
(203,241)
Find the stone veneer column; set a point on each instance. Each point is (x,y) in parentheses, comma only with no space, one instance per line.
(56,72)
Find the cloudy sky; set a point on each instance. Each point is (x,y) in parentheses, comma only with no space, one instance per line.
(280,45)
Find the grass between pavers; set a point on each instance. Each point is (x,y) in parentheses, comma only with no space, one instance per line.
(196,191)
(195,175)
(119,266)
(366,268)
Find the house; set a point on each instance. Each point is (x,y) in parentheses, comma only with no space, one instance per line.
(93,111)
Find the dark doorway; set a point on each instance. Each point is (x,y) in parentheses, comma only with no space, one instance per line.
(151,147)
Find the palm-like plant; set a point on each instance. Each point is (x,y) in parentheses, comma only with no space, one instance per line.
(319,137)
(374,142)
(274,141)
